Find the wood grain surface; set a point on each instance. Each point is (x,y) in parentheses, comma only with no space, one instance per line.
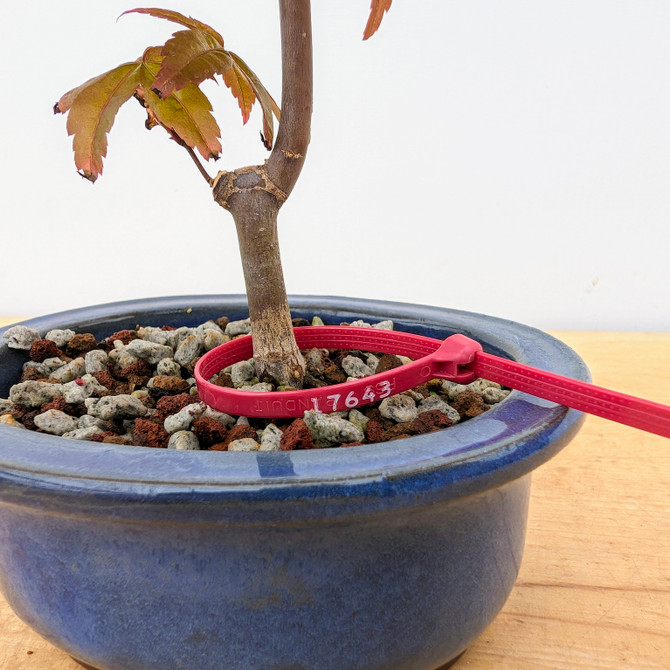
(594,586)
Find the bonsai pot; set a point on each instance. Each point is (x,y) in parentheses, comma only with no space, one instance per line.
(391,556)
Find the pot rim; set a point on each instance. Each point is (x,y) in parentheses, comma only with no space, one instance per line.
(506,442)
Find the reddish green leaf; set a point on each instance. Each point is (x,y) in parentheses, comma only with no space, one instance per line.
(240,87)
(377,10)
(174,72)
(190,57)
(268,105)
(92,109)
(186,114)
(176,17)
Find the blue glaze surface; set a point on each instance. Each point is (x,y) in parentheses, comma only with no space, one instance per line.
(393,556)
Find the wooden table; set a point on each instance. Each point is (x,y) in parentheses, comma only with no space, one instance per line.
(594,587)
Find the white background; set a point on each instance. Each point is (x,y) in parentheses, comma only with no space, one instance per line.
(501,156)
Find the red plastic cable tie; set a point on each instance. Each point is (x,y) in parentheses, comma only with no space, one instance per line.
(457,358)
(646,415)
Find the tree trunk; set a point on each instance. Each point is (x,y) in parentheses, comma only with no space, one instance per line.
(255,194)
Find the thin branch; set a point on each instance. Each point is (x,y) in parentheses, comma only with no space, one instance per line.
(199,165)
(192,154)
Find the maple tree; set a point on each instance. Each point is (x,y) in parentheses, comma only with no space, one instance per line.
(166,81)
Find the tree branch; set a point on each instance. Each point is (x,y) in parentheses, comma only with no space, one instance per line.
(199,165)
(288,156)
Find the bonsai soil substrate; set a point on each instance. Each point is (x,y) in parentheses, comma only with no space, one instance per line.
(136,387)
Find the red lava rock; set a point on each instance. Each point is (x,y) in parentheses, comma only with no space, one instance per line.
(137,373)
(43,349)
(148,401)
(373,413)
(116,439)
(209,431)
(432,420)
(100,437)
(171,404)
(334,375)
(28,419)
(170,384)
(423,390)
(59,403)
(239,432)
(296,436)
(468,404)
(106,379)
(223,379)
(352,444)
(149,434)
(434,385)
(167,328)
(17,412)
(114,426)
(80,344)
(399,431)
(374,431)
(30,374)
(222,322)
(388,362)
(124,336)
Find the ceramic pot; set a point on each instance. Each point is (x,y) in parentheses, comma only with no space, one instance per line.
(393,556)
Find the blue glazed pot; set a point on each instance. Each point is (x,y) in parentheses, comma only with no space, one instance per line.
(383,557)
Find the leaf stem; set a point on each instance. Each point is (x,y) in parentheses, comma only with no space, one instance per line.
(199,165)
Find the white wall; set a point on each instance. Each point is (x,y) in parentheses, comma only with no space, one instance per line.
(502,156)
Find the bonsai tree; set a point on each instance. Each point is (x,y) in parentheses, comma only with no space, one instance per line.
(166,81)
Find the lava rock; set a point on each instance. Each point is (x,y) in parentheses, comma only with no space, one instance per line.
(432,420)
(209,431)
(169,384)
(146,433)
(296,436)
(468,403)
(79,344)
(43,349)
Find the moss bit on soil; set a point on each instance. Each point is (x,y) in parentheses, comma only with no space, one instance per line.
(135,387)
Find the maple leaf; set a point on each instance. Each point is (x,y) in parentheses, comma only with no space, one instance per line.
(186,114)
(190,57)
(241,88)
(267,103)
(193,55)
(91,109)
(377,10)
(165,80)
(176,17)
